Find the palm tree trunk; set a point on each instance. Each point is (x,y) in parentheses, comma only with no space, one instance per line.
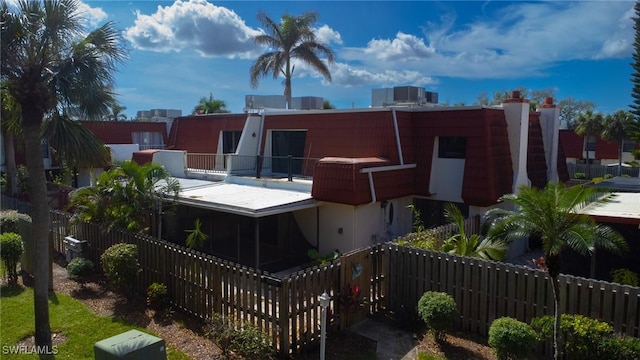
(32,119)
(555,285)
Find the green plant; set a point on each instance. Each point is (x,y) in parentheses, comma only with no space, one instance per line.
(10,221)
(196,237)
(582,335)
(608,176)
(244,339)
(624,277)
(619,347)
(511,339)
(11,248)
(79,269)
(438,310)
(156,295)
(579,176)
(120,265)
(313,254)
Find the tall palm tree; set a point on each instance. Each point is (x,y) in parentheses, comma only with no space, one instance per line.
(472,246)
(210,106)
(293,38)
(116,113)
(46,63)
(11,131)
(553,214)
(615,128)
(589,125)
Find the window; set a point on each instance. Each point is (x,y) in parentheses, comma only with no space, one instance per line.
(591,143)
(629,145)
(148,140)
(230,140)
(452,147)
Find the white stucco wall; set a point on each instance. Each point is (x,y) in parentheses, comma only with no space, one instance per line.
(446,177)
(307,220)
(248,144)
(175,161)
(334,217)
(122,152)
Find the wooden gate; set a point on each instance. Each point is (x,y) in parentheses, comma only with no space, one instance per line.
(355,287)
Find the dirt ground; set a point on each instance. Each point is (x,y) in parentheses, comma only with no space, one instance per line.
(187,334)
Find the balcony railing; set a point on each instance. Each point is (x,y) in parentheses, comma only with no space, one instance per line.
(289,167)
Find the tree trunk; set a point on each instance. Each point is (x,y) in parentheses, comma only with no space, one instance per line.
(32,119)
(287,92)
(557,341)
(620,146)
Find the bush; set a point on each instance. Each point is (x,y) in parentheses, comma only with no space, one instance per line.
(438,310)
(624,277)
(246,340)
(608,176)
(156,295)
(79,269)
(579,176)
(511,339)
(582,335)
(11,248)
(619,348)
(120,265)
(10,220)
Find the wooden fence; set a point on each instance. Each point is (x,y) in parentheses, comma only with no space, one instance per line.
(391,278)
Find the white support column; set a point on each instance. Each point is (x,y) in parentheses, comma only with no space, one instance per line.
(550,124)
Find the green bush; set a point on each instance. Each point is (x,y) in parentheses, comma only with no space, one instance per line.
(79,269)
(245,340)
(608,176)
(156,295)
(438,310)
(11,248)
(619,348)
(582,335)
(579,176)
(511,339)
(120,265)
(10,220)
(624,277)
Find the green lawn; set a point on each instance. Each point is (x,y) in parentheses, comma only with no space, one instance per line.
(79,324)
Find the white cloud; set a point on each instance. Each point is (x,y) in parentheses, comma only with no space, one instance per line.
(195,24)
(404,47)
(327,35)
(348,76)
(93,16)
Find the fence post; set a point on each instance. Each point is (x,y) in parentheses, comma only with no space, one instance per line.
(284,314)
(289,167)
(258,166)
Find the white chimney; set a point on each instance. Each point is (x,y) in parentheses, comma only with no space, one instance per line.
(550,125)
(516,112)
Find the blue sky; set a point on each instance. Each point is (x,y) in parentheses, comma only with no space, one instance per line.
(184,50)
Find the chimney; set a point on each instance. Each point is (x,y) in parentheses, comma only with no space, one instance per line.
(516,113)
(550,124)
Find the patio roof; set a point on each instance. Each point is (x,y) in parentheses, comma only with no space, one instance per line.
(243,200)
(623,208)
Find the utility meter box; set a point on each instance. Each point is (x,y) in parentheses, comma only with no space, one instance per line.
(130,345)
(73,247)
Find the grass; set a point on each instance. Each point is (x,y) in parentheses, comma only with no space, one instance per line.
(82,327)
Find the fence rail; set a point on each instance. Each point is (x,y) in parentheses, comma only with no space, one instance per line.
(600,170)
(392,279)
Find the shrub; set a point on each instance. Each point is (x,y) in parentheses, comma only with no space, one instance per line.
(156,295)
(438,310)
(245,340)
(619,348)
(579,176)
(624,277)
(10,220)
(11,248)
(582,335)
(511,339)
(120,265)
(608,176)
(79,269)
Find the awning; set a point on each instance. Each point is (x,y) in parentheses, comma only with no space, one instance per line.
(243,200)
(623,208)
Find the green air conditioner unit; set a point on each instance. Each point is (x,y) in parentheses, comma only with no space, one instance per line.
(130,345)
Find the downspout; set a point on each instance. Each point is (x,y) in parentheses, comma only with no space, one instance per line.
(397,133)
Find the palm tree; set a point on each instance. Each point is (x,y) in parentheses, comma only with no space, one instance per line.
(464,245)
(589,125)
(47,63)
(615,128)
(293,38)
(116,113)
(11,131)
(125,197)
(553,214)
(210,106)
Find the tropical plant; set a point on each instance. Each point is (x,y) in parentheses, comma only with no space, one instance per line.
(210,106)
(11,248)
(292,38)
(125,197)
(624,277)
(49,59)
(571,108)
(615,128)
(196,237)
(589,125)
(11,132)
(553,214)
(438,310)
(116,112)
(465,245)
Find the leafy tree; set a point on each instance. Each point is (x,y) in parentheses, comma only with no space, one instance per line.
(634,132)
(47,61)
(210,106)
(615,128)
(125,197)
(571,108)
(553,215)
(589,124)
(293,38)
(465,245)
(326,105)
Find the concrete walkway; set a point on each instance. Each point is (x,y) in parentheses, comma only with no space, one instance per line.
(393,343)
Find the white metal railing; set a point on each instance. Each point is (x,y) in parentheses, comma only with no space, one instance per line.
(207,163)
(600,170)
